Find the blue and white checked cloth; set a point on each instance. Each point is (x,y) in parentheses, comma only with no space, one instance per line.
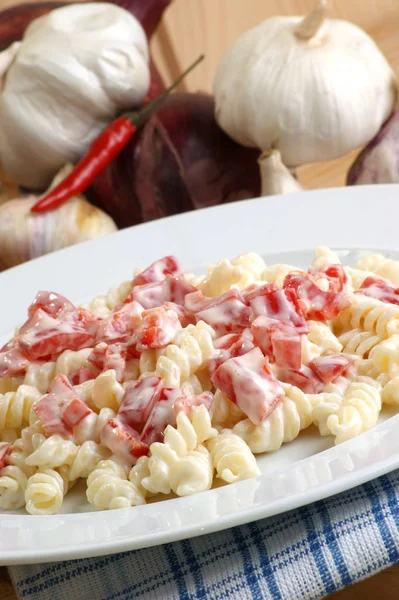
(307,553)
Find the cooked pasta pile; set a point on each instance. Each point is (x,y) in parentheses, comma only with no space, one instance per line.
(172,380)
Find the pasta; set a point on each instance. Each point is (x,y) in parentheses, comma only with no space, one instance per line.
(181,463)
(232,458)
(187,388)
(108,487)
(291,415)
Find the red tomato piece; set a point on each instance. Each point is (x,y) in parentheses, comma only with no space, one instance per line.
(280,342)
(139,399)
(5,449)
(62,408)
(121,324)
(51,303)
(123,440)
(158,270)
(331,366)
(196,301)
(186,317)
(12,363)
(162,414)
(158,328)
(227,313)
(84,318)
(105,357)
(281,305)
(248,381)
(97,355)
(171,289)
(315,303)
(381,289)
(335,274)
(230,346)
(50,336)
(81,376)
(304,378)
(186,403)
(251,294)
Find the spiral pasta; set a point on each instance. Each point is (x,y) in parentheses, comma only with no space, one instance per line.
(70,361)
(242,271)
(15,407)
(55,451)
(385,355)
(356,341)
(325,256)
(231,457)
(40,375)
(103,305)
(91,426)
(369,314)
(193,345)
(290,416)
(320,340)
(45,492)
(224,411)
(324,405)
(277,273)
(181,463)
(108,487)
(380,265)
(358,411)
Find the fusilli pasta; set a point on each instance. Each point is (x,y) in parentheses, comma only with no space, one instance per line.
(232,458)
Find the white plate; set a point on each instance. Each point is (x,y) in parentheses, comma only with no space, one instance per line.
(281,229)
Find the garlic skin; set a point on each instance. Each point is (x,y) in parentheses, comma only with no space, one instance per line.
(275,177)
(25,235)
(76,68)
(315,88)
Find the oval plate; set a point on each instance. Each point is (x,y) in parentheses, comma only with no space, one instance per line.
(282,229)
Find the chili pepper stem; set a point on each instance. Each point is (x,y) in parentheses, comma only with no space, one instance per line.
(139,116)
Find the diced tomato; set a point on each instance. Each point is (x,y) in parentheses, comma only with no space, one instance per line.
(230,346)
(87,320)
(335,274)
(331,366)
(303,378)
(62,408)
(105,357)
(12,363)
(186,403)
(5,449)
(281,305)
(381,289)
(196,301)
(51,303)
(227,313)
(139,399)
(171,289)
(186,317)
(50,336)
(251,294)
(121,324)
(315,303)
(280,342)
(157,329)
(123,440)
(81,376)
(158,270)
(162,414)
(248,381)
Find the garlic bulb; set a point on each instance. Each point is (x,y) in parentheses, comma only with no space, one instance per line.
(76,68)
(275,177)
(315,88)
(25,235)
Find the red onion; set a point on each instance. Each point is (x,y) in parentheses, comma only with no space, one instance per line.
(379,160)
(178,161)
(14,21)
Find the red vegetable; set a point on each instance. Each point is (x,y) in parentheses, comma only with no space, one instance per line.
(180,160)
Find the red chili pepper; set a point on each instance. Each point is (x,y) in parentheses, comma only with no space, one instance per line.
(101,152)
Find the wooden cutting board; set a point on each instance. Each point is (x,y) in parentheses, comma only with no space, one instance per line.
(191,27)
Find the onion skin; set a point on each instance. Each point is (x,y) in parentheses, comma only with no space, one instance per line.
(179,160)
(14,21)
(378,162)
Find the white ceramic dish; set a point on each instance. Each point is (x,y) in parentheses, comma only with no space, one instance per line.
(282,229)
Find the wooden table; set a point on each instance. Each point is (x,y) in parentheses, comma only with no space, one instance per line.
(175,44)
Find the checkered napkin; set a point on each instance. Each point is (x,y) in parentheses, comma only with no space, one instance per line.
(307,553)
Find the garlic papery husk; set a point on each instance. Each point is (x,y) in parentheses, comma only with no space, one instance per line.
(75,70)
(25,235)
(275,177)
(315,88)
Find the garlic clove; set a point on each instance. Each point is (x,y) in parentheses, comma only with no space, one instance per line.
(275,177)
(24,235)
